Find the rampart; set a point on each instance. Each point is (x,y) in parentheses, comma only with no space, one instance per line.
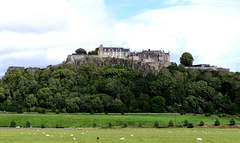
(77,60)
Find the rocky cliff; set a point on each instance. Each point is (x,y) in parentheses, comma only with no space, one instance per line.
(78,60)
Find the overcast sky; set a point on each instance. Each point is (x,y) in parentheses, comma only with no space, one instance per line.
(38,33)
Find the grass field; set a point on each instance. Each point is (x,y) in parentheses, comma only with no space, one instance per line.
(131,135)
(87,120)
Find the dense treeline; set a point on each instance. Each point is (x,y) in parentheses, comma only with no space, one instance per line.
(117,89)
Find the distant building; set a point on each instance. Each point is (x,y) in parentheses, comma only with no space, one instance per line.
(153,58)
(113,52)
(208,67)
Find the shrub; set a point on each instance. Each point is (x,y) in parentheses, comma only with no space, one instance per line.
(94,124)
(41,110)
(124,125)
(156,124)
(190,125)
(201,123)
(185,123)
(170,123)
(57,111)
(42,125)
(57,126)
(207,114)
(182,112)
(140,124)
(28,124)
(13,123)
(217,122)
(232,122)
(110,125)
(180,125)
(32,109)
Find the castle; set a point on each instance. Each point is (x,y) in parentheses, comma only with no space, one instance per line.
(153,58)
(146,60)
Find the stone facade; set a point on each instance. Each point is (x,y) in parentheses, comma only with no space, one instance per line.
(12,68)
(156,58)
(113,52)
(211,68)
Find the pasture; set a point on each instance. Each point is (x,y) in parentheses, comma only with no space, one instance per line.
(87,120)
(130,135)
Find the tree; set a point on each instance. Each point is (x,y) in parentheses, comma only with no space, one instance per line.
(186,59)
(93,52)
(81,51)
(158,104)
(31,101)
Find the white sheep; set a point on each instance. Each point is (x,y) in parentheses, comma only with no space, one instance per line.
(199,139)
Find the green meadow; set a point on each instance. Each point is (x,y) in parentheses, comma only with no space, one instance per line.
(87,120)
(130,135)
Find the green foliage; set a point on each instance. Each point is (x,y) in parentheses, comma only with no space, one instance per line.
(156,124)
(158,104)
(110,125)
(232,122)
(80,51)
(28,124)
(42,125)
(217,122)
(185,123)
(190,125)
(170,123)
(140,124)
(13,123)
(186,59)
(201,123)
(94,124)
(91,88)
(124,125)
(95,52)
(57,111)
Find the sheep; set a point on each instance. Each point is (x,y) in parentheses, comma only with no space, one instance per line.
(199,139)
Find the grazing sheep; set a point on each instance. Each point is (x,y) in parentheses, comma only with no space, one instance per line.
(122,138)
(199,139)
(74,138)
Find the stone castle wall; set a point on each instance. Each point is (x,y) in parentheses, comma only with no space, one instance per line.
(131,64)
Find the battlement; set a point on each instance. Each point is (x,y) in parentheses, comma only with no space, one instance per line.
(209,67)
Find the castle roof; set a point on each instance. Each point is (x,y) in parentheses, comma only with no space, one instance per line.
(115,49)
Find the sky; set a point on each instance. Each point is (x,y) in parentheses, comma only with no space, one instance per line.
(38,33)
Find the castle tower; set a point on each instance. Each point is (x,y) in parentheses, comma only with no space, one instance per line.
(100,51)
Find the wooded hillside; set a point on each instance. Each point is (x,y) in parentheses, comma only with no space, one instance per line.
(107,89)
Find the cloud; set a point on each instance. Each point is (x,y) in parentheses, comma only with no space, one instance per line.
(42,31)
(206,30)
